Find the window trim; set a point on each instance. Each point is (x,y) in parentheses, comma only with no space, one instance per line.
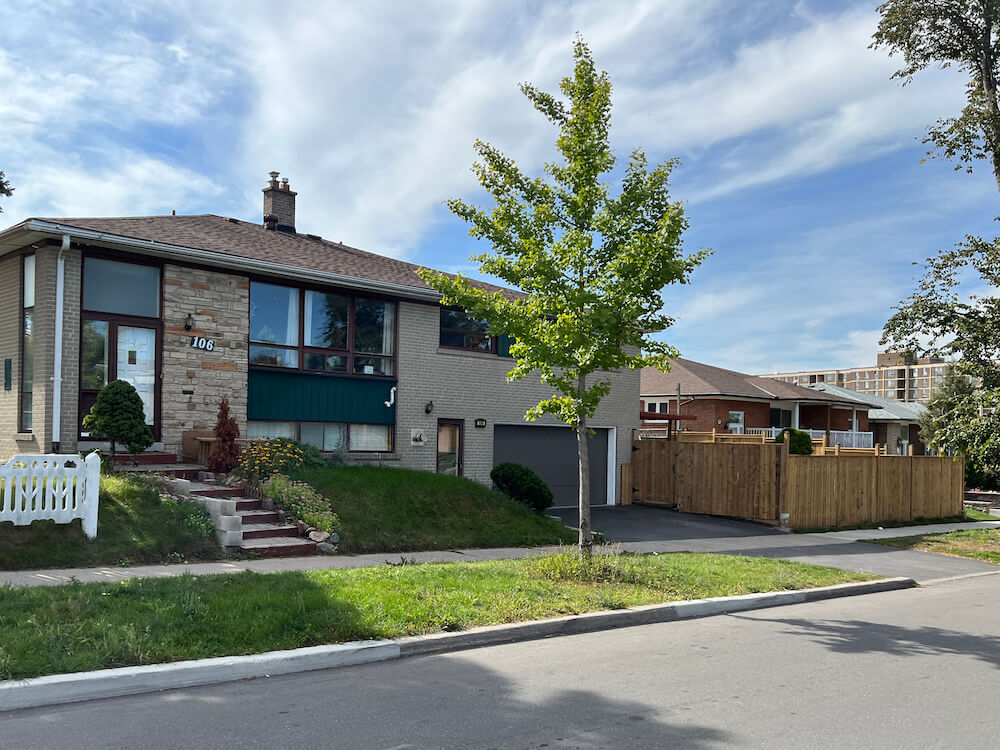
(304,349)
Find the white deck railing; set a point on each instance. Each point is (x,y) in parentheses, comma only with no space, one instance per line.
(53,487)
(843,438)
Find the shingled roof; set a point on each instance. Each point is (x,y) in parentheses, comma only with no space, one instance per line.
(698,379)
(235,239)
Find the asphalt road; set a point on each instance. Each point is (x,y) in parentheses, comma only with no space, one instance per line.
(914,668)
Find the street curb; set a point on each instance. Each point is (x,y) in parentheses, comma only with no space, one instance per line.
(590,622)
(109,683)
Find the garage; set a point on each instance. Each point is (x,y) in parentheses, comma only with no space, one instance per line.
(551,453)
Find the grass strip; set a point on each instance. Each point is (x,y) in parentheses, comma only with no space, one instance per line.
(77,627)
(979,544)
(400,510)
(134,528)
(968,514)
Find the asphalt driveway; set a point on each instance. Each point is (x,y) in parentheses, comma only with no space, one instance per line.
(643,528)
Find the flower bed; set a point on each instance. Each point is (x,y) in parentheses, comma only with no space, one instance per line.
(303,505)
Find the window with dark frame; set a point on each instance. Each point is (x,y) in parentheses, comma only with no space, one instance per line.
(318,331)
(459,330)
(27,343)
(327,436)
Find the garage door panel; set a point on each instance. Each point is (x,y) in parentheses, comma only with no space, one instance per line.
(551,453)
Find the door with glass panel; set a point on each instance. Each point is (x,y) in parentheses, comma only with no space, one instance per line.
(110,350)
(120,335)
(449,447)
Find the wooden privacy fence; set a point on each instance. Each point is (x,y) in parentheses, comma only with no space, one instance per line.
(763,482)
(53,487)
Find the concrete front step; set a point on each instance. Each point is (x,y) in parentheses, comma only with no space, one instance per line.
(219,492)
(279,546)
(266,530)
(257,516)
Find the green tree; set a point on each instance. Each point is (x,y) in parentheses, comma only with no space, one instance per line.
(118,416)
(963,33)
(5,188)
(591,264)
(962,419)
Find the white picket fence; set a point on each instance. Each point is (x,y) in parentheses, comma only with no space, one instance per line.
(54,487)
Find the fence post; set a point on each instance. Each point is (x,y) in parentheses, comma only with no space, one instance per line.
(713,435)
(92,483)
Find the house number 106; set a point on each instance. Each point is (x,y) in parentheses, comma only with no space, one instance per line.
(200,342)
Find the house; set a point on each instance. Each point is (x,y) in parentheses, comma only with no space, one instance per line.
(895,424)
(730,401)
(311,339)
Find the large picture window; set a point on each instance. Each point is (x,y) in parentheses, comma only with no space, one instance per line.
(327,436)
(335,333)
(459,330)
(121,288)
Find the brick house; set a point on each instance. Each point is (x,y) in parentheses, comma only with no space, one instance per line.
(729,401)
(308,338)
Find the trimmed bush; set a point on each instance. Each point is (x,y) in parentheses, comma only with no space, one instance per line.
(118,416)
(799,442)
(522,484)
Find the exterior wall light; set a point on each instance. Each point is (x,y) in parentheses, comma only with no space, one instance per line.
(189,322)
(429,408)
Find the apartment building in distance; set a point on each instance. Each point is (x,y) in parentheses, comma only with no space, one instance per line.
(895,376)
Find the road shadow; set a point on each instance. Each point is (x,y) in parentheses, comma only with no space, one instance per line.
(864,637)
(451,701)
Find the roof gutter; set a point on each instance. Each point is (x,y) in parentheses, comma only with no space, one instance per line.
(222,260)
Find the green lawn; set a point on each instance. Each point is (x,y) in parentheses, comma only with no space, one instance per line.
(980,544)
(134,527)
(399,510)
(145,621)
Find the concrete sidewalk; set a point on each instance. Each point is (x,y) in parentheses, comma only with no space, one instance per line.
(834,549)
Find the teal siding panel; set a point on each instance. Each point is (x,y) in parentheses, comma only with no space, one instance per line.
(303,397)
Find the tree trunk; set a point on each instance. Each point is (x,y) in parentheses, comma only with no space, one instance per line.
(586,537)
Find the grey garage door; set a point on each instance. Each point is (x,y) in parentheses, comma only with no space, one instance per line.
(551,453)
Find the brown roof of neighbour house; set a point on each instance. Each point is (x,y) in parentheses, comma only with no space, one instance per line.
(698,379)
(243,239)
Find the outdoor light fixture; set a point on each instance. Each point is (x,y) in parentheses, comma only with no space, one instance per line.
(429,408)
(189,322)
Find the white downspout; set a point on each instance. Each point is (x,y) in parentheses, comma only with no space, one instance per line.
(57,354)
(795,415)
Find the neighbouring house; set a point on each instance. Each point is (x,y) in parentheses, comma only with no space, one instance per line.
(311,339)
(728,401)
(894,424)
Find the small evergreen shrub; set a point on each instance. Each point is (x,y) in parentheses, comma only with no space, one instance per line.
(799,442)
(523,485)
(301,501)
(118,416)
(225,453)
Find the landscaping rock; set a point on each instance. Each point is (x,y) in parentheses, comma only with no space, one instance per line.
(334,538)
(319,536)
(267,503)
(281,515)
(302,527)
(325,548)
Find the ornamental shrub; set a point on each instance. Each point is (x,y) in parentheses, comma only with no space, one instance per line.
(799,442)
(225,453)
(262,458)
(301,501)
(522,484)
(118,416)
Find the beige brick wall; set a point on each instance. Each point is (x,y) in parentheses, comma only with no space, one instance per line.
(220,306)
(471,386)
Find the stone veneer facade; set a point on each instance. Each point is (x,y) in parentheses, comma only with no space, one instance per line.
(194,380)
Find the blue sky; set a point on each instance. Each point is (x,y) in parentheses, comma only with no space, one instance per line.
(800,157)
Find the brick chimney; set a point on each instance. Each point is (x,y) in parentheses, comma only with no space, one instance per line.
(279,205)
